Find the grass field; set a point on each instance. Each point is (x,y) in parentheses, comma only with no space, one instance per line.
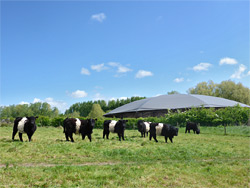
(210,159)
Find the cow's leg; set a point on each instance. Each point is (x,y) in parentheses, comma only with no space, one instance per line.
(170,138)
(186,130)
(29,136)
(150,136)
(21,136)
(83,136)
(141,134)
(66,136)
(89,136)
(154,136)
(144,134)
(147,134)
(104,133)
(123,136)
(166,139)
(107,134)
(119,134)
(194,131)
(14,132)
(71,137)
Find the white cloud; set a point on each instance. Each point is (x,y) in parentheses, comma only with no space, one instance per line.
(114,64)
(85,71)
(99,67)
(120,68)
(98,96)
(178,80)
(79,94)
(238,73)
(248,73)
(202,67)
(62,106)
(37,100)
(143,73)
(228,61)
(98,17)
(23,102)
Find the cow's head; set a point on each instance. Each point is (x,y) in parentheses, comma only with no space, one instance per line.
(122,122)
(32,120)
(140,124)
(174,130)
(91,122)
(198,131)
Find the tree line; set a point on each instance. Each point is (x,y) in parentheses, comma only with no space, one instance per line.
(226,89)
(84,108)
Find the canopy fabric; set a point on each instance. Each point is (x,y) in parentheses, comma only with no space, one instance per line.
(175,101)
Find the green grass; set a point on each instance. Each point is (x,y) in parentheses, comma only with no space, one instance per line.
(210,159)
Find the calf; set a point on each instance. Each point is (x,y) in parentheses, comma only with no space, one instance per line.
(24,125)
(161,129)
(114,127)
(77,126)
(192,126)
(143,127)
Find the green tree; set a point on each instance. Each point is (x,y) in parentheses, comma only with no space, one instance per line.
(173,92)
(226,89)
(96,112)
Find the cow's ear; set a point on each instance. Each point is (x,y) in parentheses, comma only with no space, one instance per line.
(37,117)
(95,119)
(126,120)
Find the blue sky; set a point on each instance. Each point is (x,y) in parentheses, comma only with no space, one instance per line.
(64,52)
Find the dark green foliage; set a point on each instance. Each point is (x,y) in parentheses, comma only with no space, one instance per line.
(226,89)
(236,115)
(33,109)
(96,112)
(84,108)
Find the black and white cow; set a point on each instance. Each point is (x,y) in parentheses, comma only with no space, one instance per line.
(161,129)
(114,127)
(24,125)
(87,128)
(192,126)
(77,126)
(143,127)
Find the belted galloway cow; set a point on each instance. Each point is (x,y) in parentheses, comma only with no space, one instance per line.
(114,127)
(143,127)
(192,126)
(25,125)
(77,126)
(160,129)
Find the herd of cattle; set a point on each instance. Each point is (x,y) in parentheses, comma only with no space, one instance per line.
(85,128)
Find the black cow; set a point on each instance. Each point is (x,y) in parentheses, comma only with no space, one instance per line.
(192,126)
(24,125)
(87,128)
(161,129)
(77,126)
(143,127)
(114,127)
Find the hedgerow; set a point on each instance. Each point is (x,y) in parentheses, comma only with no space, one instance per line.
(236,115)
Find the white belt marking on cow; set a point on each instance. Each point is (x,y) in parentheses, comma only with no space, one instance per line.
(112,126)
(159,129)
(147,125)
(20,126)
(78,124)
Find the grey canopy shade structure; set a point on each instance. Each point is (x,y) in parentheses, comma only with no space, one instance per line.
(158,106)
